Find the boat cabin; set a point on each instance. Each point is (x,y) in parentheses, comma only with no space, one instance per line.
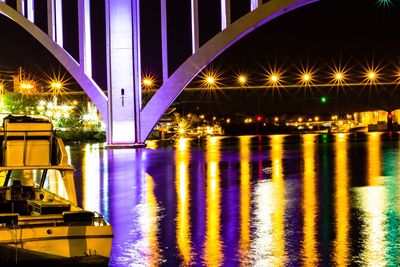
(35,177)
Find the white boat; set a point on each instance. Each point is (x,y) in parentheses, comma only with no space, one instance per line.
(39,217)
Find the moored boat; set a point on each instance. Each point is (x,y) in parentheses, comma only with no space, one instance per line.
(39,217)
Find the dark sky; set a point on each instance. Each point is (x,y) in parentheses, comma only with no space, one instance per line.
(354,33)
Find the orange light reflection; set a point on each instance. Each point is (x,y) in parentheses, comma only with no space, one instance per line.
(374,159)
(309,246)
(245,193)
(268,247)
(183,236)
(213,244)
(342,207)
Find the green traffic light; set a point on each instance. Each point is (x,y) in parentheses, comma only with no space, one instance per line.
(323,99)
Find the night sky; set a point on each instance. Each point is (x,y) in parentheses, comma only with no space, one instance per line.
(352,33)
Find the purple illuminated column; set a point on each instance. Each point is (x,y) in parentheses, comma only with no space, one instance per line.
(123,71)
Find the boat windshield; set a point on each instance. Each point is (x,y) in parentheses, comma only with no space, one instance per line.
(53,182)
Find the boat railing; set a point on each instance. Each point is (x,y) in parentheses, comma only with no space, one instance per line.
(70,218)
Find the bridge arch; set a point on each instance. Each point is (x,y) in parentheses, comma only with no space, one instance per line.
(170,90)
(88,85)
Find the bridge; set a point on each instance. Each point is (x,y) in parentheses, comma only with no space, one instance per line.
(128,122)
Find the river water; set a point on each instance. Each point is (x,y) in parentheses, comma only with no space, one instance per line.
(279,200)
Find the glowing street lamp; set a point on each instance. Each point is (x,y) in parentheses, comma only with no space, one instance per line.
(56,85)
(147,82)
(26,87)
(371,75)
(210,80)
(274,79)
(306,77)
(242,79)
(339,76)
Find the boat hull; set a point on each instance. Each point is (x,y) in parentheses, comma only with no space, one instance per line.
(54,243)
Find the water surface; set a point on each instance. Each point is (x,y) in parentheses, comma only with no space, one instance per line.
(280,200)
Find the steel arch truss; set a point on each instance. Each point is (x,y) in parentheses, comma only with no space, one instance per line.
(172,87)
(88,85)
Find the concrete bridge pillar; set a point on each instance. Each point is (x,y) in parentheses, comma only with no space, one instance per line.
(124,74)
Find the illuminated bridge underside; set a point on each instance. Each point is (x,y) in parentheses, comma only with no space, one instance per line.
(126,123)
(170,90)
(87,84)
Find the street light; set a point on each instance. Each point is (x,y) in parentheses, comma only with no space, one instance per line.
(210,78)
(306,77)
(148,81)
(371,75)
(26,87)
(274,79)
(242,79)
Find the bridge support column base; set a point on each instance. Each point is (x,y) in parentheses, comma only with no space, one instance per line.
(119,146)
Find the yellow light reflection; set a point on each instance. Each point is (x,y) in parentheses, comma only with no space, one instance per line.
(245,193)
(91,183)
(213,244)
(55,184)
(374,159)
(309,247)
(269,244)
(151,144)
(373,201)
(149,224)
(183,236)
(342,207)
(279,188)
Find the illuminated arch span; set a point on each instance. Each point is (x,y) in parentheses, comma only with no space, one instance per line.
(170,90)
(87,84)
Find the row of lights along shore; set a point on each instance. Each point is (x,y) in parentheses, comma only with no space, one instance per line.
(339,77)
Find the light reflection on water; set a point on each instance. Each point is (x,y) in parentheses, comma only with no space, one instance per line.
(248,201)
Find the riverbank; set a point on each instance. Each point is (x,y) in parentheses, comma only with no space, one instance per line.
(75,135)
